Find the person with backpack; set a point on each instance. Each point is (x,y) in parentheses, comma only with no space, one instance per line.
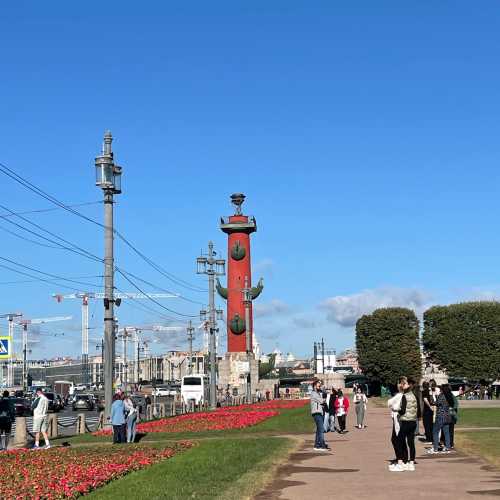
(7,417)
(408,414)
(131,418)
(454,420)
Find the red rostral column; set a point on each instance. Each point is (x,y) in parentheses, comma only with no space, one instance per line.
(238,227)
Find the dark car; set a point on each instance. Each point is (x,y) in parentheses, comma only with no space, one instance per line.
(22,406)
(54,405)
(83,402)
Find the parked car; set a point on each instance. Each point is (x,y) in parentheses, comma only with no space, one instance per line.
(22,406)
(54,403)
(165,391)
(83,402)
(99,403)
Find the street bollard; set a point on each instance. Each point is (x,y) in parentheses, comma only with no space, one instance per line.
(149,412)
(21,434)
(80,424)
(52,431)
(162,410)
(172,408)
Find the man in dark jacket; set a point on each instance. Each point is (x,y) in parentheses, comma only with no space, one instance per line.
(7,416)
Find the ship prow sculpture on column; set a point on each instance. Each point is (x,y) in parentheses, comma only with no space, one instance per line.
(239,360)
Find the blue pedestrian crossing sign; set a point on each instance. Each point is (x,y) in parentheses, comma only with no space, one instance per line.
(5,343)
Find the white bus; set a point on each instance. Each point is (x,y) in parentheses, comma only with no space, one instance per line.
(194,388)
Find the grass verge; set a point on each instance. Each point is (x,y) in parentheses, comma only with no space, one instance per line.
(294,421)
(484,444)
(479,417)
(228,468)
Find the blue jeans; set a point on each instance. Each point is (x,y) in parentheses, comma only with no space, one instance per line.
(131,425)
(436,432)
(320,429)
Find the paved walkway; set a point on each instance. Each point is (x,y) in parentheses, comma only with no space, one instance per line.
(357,469)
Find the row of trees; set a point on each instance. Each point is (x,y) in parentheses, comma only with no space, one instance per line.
(463,339)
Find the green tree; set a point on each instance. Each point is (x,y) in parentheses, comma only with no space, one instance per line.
(387,345)
(266,369)
(464,339)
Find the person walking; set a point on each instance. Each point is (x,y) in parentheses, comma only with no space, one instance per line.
(317,415)
(118,419)
(443,403)
(408,415)
(40,409)
(360,400)
(454,420)
(131,418)
(7,416)
(341,410)
(394,404)
(428,412)
(331,409)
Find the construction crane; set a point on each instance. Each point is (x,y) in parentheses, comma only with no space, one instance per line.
(84,297)
(134,331)
(25,323)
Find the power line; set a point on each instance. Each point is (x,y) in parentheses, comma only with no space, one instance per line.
(44,210)
(32,187)
(50,275)
(153,300)
(79,250)
(19,282)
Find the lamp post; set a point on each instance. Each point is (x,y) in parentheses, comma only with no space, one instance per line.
(212,267)
(190,331)
(108,178)
(247,301)
(100,347)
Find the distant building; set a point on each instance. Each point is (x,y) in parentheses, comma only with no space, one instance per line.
(348,360)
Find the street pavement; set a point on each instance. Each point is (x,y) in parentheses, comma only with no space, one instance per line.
(357,469)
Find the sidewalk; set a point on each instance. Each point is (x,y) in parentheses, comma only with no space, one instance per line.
(357,469)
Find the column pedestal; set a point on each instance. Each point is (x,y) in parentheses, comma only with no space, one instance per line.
(233,370)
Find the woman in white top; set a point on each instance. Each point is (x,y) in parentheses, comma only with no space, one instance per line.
(131,412)
(360,401)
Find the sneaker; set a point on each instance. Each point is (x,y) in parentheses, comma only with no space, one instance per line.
(35,447)
(317,449)
(410,467)
(445,450)
(432,451)
(47,446)
(396,468)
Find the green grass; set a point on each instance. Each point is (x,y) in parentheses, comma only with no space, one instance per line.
(484,444)
(228,468)
(479,417)
(294,421)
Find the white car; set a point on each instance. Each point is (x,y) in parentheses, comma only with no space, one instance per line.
(163,391)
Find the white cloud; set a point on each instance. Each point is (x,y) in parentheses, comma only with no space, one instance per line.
(265,267)
(304,323)
(347,309)
(274,308)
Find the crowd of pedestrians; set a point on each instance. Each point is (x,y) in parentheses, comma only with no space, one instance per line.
(438,409)
(329,409)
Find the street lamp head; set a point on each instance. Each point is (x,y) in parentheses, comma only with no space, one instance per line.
(108,175)
(201,265)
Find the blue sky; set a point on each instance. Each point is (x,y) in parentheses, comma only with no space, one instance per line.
(365,137)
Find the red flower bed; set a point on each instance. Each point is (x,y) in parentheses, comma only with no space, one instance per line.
(72,472)
(205,421)
(274,404)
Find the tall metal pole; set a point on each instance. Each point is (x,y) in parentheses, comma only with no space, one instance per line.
(25,366)
(247,301)
(85,340)
(212,325)
(137,356)
(10,371)
(109,315)
(190,330)
(323,355)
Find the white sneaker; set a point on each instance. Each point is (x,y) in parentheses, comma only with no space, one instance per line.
(396,468)
(410,467)
(47,446)
(432,451)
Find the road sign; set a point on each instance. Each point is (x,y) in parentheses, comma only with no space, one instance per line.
(5,343)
